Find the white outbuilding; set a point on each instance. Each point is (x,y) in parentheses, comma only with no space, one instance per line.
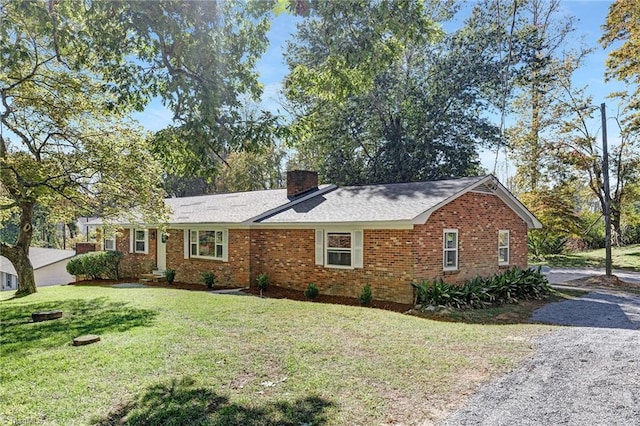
(49,268)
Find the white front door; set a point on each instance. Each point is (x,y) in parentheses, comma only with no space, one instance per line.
(162,253)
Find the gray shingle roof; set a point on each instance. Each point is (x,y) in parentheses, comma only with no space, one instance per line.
(400,202)
(237,207)
(224,208)
(40,257)
(373,203)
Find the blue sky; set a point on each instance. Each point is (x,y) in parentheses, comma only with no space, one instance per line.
(590,15)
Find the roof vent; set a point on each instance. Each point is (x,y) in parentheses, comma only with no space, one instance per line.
(485,188)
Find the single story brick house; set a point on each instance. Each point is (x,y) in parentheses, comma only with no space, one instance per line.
(339,238)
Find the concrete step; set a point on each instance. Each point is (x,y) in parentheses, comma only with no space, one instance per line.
(152,277)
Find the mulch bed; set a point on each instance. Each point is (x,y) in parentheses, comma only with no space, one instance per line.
(162,284)
(285,293)
(272,292)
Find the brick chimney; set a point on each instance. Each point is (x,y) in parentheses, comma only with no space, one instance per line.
(82,248)
(301,181)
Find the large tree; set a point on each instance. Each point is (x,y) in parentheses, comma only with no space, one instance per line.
(539,33)
(622,29)
(71,71)
(200,59)
(379,92)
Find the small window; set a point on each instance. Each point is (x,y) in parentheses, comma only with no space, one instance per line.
(503,247)
(339,249)
(450,250)
(140,242)
(209,244)
(110,244)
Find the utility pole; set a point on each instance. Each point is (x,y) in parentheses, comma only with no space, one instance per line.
(607,191)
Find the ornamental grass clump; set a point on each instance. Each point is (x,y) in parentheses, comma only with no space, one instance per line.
(508,287)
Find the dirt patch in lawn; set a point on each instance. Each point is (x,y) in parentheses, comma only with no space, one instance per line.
(604,282)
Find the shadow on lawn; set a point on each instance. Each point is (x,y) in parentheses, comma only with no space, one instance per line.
(181,403)
(80,317)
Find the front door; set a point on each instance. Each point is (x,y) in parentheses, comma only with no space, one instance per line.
(162,253)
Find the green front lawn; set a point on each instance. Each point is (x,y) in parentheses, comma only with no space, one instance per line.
(627,257)
(179,357)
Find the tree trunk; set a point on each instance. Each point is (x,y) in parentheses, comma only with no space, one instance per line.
(18,254)
(616,230)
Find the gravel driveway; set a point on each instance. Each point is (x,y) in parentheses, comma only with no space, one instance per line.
(586,374)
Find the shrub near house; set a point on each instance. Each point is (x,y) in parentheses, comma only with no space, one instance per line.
(340,238)
(96,265)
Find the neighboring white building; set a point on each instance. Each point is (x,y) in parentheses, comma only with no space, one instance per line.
(49,268)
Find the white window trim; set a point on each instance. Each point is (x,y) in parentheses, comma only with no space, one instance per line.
(322,247)
(327,248)
(104,243)
(196,243)
(133,241)
(445,250)
(504,262)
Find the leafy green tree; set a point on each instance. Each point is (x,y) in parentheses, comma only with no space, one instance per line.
(621,30)
(379,93)
(252,171)
(538,33)
(199,58)
(63,146)
(577,153)
(556,209)
(71,71)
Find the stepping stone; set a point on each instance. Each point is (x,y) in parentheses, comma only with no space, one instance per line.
(86,340)
(46,316)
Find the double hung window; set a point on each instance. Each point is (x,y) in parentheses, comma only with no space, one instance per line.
(339,248)
(210,244)
(503,247)
(450,250)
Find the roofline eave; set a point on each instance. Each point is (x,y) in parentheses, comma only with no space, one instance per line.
(499,190)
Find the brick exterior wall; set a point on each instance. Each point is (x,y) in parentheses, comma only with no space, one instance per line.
(392,259)
(478,218)
(135,264)
(234,272)
(288,257)
(395,258)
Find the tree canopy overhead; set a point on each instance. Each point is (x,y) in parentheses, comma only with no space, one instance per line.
(199,58)
(380,93)
(63,145)
(622,30)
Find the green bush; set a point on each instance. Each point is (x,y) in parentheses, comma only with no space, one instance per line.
(312,291)
(508,287)
(170,274)
(366,296)
(263,282)
(209,279)
(96,265)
